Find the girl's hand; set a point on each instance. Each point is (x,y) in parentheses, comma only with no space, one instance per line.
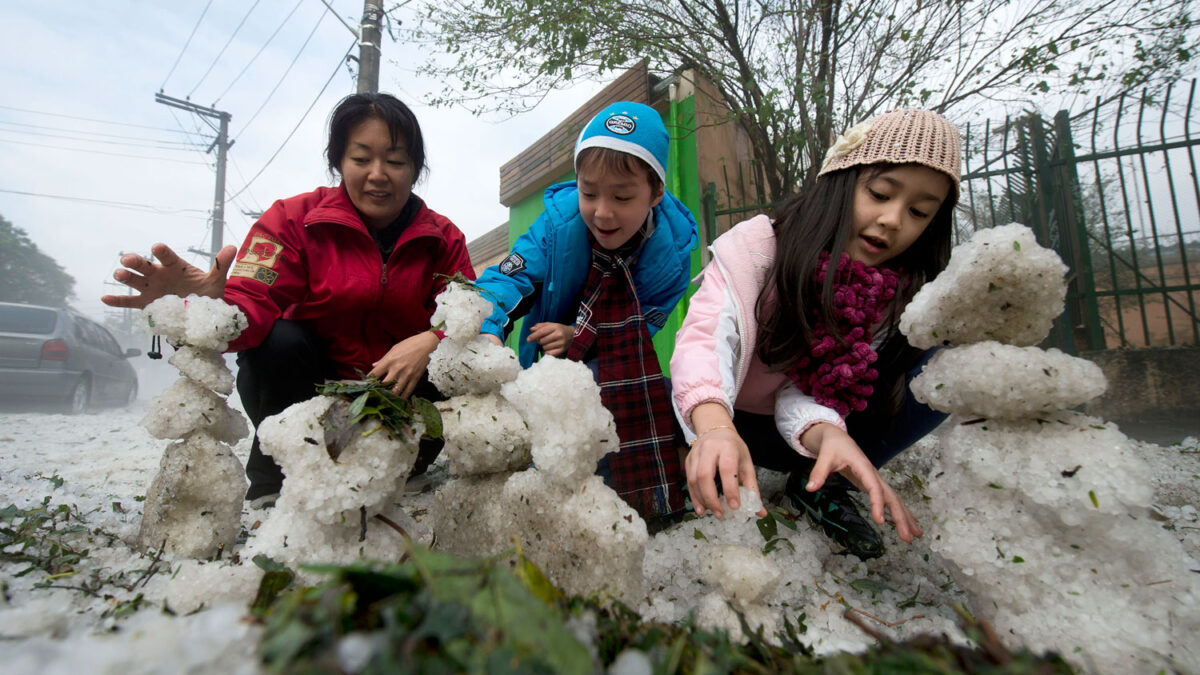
(493,339)
(405,362)
(171,275)
(719,452)
(554,338)
(838,452)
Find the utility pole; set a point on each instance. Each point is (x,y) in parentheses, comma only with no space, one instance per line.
(222,144)
(370,34)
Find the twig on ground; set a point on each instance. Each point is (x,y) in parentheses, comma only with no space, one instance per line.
(153,568)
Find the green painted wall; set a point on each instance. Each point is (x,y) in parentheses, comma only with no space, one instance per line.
(682,181)
(520,216)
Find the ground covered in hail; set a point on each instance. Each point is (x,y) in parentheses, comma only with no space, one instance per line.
(79,596)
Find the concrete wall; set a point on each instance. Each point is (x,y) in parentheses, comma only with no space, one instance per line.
(1158,386)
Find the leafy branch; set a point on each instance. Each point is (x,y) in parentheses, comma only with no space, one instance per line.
(371,399)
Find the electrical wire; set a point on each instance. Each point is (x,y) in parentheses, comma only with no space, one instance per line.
(259,53)
(222,52)
(95,140)
(302,118)
(282,77)
(90,119)
(113,204)
(101,152)
(185,46)
(89,133)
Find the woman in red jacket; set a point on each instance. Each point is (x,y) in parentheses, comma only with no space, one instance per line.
(337,282)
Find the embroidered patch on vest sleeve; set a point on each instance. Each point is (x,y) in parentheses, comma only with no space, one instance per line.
(258,260)
(512,264)
(656,317)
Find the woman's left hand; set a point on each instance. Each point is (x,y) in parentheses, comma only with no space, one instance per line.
(404,364)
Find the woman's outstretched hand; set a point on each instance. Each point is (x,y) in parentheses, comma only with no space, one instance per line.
(171,275)
(837,452)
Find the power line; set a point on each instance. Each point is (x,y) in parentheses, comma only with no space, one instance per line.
(281,77)
(260,51)
(90,119)
(110,203)
(222,52)
(96,140)
(185,46)
(93,133)
(101,152)
(302,118)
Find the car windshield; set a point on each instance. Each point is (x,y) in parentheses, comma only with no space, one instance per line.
(18,319)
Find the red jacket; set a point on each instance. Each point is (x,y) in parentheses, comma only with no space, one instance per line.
(311,259)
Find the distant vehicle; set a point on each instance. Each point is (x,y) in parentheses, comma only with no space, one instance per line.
(57,354)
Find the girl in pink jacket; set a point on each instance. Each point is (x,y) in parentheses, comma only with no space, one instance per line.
(790,358)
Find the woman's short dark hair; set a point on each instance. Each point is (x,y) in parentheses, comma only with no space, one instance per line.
(357,108)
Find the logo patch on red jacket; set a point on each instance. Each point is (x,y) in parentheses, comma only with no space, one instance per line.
(256,263)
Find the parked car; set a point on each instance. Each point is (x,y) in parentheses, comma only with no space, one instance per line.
(57,354)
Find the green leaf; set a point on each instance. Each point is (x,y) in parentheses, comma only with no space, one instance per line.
(910,601)
(697,534)
(1095,502)
(767,527)
(871,586)
(430,416)
(356,408)
(272,584)
(268,564)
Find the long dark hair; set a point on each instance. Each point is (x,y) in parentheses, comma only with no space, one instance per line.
(789,304)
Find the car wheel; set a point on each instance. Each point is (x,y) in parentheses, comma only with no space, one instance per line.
(80,397)
(132,397)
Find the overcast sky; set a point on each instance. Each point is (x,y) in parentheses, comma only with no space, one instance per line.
(79,124)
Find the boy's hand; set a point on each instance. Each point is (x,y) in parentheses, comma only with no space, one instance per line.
(493,339)
(554,338)
(838,452)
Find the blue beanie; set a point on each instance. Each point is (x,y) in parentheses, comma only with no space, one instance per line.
(633,128)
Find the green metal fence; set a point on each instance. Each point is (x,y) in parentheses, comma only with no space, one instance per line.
(1114,189)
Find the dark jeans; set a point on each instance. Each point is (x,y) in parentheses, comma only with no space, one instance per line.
(284,370)
(912,422)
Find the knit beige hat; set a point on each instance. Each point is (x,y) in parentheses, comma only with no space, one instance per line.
(899,137)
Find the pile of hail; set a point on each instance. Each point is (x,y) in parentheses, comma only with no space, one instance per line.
(193,506)
(1042,513)
(498,418)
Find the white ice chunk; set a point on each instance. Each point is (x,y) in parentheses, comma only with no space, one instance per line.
(1000,285)
(989,379)
(460,312)
(484,434)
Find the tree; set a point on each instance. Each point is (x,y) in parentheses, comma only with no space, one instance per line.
(28,275)
(794,73)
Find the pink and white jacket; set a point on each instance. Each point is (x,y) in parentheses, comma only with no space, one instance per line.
(715,359)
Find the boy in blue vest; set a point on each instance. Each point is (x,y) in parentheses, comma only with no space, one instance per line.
(595,277)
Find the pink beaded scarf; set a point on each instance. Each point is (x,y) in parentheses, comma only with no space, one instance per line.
(838,373)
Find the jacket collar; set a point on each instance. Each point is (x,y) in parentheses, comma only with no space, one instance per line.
(336,208)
